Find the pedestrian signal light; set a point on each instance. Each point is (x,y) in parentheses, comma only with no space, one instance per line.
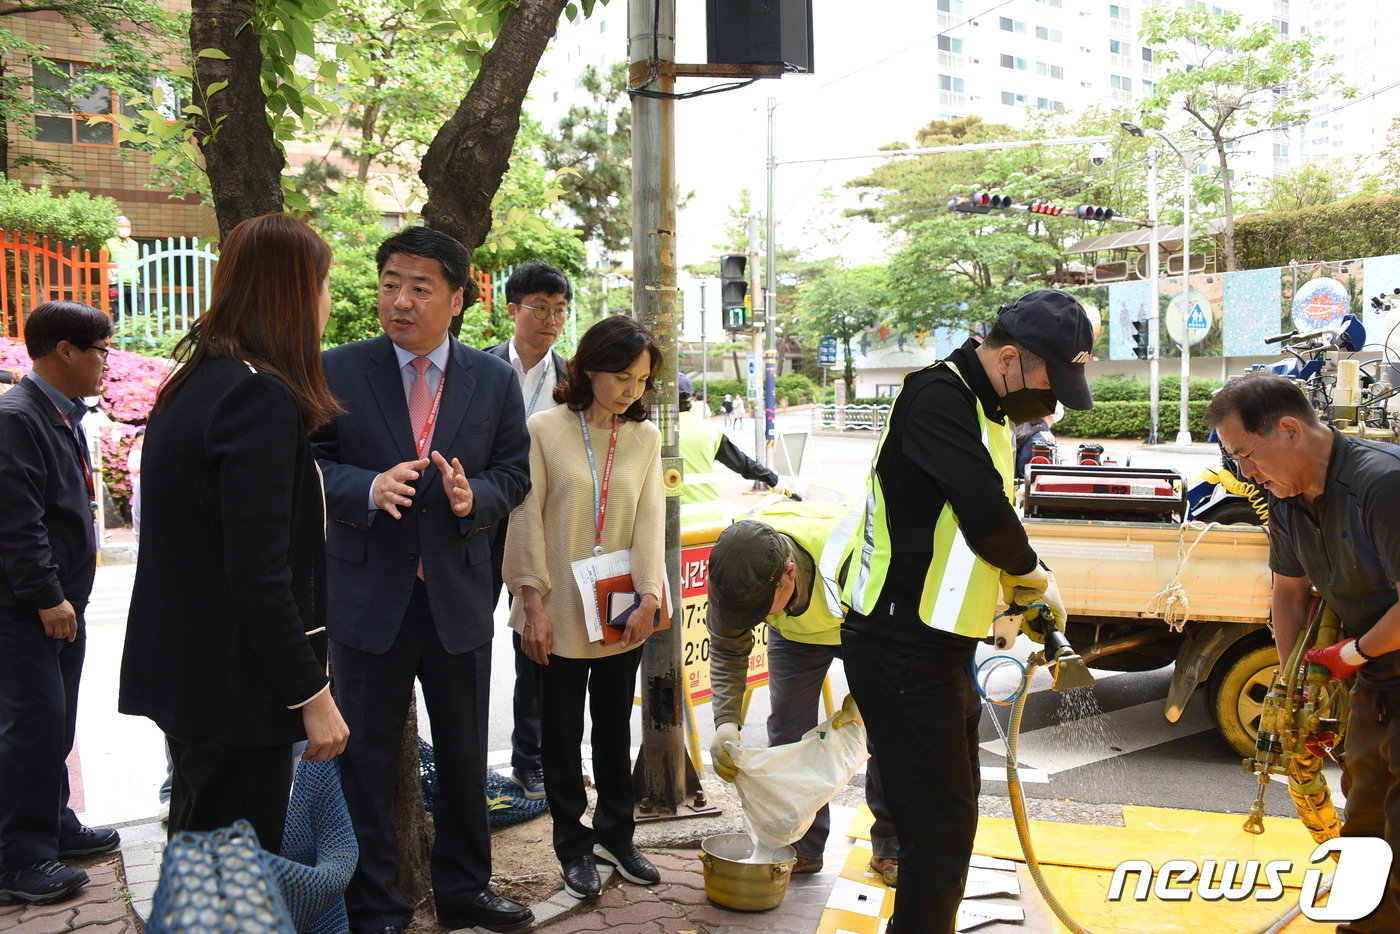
(1088,212)
(733,291)
(1042,207)
(1141,336)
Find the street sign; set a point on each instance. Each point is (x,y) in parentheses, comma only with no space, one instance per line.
(826,352)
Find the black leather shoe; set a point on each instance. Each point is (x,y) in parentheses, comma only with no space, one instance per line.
(88,841)
(630,862)
(43,883)
(581,876)
(490,911)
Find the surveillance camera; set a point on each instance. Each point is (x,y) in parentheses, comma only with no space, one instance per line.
(1098,155)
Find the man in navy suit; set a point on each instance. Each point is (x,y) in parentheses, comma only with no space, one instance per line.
(48,556)
(430,454)
(537,296)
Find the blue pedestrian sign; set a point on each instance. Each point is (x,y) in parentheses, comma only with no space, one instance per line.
(1196,320)
(826,352)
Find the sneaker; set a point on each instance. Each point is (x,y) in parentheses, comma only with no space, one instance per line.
(40,884)
(806,864)
(163,815)
(88,841)
(531,782)
(630,862)
(581,876)
(886,868)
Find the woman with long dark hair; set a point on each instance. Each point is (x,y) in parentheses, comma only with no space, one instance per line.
(225,644)
(595,474)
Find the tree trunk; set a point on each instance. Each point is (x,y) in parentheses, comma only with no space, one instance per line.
(1227,197)
(467,159)
(414,826)
(242,160)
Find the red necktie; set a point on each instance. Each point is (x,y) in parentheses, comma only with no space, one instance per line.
(419,402)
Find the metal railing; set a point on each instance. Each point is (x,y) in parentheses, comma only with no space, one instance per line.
(849,417)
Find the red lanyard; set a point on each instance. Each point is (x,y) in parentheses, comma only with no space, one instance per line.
(600,491)
(425,434)
(82,452)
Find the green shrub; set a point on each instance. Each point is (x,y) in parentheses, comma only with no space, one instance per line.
(1360,227)
(1132,419)
(1119,388)
(77,218)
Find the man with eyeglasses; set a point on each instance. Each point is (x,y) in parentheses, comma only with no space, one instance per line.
(48,556)
(538,297)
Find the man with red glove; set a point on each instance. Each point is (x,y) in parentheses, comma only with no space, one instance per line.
(1334,524)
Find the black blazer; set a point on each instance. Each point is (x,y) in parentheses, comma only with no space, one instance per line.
(374,559)
(48,552)
(228,613)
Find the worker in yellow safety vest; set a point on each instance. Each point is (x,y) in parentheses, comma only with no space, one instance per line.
(702,446)
(784,563)
(940,543)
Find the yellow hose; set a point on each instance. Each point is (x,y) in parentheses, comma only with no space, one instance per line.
(1023,830)
(1233,484)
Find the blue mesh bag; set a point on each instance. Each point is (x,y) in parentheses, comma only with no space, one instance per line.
(319,851)
(507,805)
(218,882)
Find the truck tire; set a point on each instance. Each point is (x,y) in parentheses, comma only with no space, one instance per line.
(1238,686)
(1231,512)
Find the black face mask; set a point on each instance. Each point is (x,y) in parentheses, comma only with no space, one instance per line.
(1027,404)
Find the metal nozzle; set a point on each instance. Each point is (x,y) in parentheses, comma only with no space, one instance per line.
(1069,671)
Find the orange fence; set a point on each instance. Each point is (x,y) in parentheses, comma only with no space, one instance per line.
(33,271)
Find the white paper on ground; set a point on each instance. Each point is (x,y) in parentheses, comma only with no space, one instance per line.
(975,914)
(992,862)
(984,882)
(857,897)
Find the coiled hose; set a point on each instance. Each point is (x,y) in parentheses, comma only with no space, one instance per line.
(1012,740)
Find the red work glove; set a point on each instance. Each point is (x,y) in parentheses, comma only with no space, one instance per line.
(1320,744)
(1341,659)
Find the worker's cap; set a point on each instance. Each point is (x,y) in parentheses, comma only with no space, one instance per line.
(7,376)
(1051,324)
(684,386)
(746,564)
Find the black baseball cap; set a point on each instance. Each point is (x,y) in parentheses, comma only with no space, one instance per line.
(1051,324)
(746,563)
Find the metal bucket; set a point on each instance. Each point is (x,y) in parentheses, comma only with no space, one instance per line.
(732,883)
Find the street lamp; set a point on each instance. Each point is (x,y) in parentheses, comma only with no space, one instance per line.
(1183,436)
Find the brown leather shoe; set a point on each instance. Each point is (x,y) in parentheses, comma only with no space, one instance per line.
(806,864)
(887,868)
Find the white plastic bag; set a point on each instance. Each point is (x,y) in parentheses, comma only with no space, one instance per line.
(783,787)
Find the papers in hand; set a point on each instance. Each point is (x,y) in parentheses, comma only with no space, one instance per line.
(587,573)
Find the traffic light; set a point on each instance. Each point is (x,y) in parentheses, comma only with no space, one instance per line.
(1087,212)
(980,203)
(1142,349)
(733,291)
(1044,207)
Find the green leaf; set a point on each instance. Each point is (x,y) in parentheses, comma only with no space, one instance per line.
(219,54)
(302,39)
(215,88)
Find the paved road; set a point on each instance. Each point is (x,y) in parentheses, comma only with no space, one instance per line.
(1126,754)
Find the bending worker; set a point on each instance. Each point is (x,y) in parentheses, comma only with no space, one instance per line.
(784,564)
(702,446)
(1332,525)
(940,538)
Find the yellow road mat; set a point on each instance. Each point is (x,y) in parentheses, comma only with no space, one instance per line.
(1078,862)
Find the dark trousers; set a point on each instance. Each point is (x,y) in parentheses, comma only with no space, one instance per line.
(528,698)
(38,716)
(214,785)
(528,705)
(921,716)
(796,671)
(607,685)
(1373,792)
(373,693)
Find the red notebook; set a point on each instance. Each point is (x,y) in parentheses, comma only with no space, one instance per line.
(622,586)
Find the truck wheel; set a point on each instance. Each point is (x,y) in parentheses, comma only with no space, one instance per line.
(1237,691)
(1233,511)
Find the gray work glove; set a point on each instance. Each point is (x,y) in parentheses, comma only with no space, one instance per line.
(720,756)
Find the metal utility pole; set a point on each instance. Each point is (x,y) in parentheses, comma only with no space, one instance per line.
(1183,436)
(661,773)
(1154,302)
(770,308)
(758,320)
(704,351)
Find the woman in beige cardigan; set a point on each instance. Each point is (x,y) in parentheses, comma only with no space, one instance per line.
(595,474)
